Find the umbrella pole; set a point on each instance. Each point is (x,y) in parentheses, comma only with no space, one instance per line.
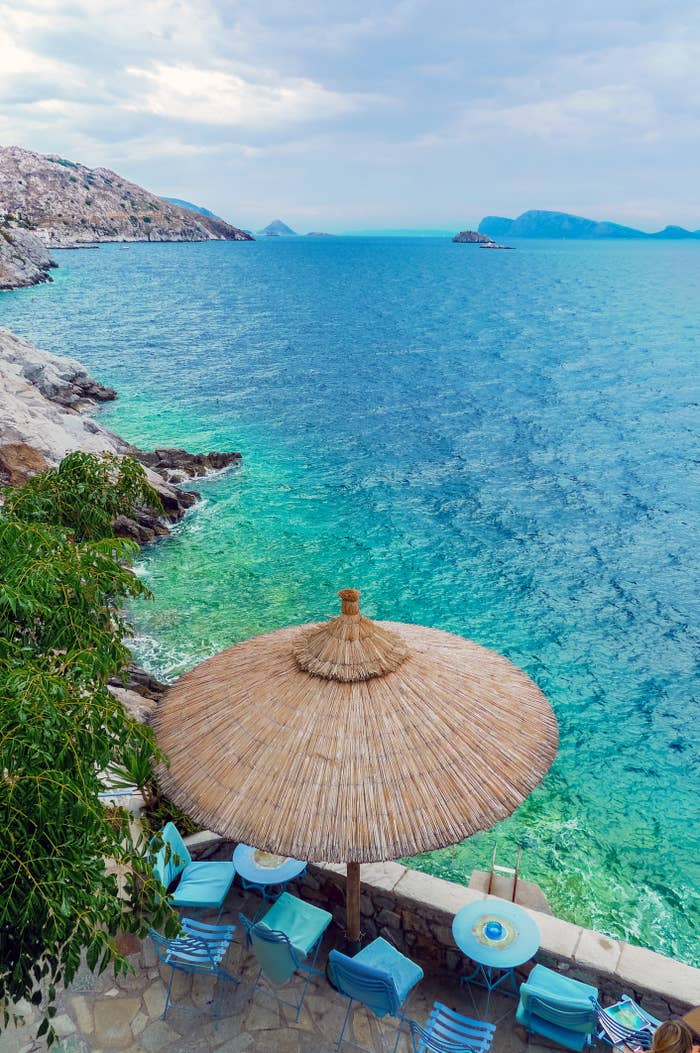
(352,900)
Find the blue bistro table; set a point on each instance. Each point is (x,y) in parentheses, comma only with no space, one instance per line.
(497,936)
(265,872)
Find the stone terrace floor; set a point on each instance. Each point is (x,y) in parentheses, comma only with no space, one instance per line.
(101,1014)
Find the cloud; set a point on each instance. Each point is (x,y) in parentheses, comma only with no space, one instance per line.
(585,113)
(403,108)
(216,97)
(18,61)
(649,93)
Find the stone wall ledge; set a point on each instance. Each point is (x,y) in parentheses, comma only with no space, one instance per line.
(415,910)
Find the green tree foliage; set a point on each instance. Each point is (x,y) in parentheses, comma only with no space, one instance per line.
(84,494)
(63,579)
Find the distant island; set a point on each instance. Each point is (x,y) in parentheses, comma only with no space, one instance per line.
(472,237)
(277,229)
(537,224)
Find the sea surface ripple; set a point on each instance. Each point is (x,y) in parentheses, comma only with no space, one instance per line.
(503,445)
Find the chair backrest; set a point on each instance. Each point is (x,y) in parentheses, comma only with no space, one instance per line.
(184,952)
(172,858)
(275,953)
(428,1043)
(447,1031)
(372,987)
(574,1013)
(638,1027)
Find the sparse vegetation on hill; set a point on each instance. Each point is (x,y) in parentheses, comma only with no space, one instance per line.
(70,202)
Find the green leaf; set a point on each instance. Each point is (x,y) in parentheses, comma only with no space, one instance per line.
(64,583)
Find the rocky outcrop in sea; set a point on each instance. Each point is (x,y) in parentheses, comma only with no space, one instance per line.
(472,237)
(67,203)
(46,402)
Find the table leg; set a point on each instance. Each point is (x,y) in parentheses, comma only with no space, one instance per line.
(485,976)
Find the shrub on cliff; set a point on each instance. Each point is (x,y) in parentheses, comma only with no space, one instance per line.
(64,580)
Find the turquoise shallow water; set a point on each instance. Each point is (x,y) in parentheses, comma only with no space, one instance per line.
(503,445)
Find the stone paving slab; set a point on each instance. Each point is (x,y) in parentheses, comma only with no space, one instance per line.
(104,1015)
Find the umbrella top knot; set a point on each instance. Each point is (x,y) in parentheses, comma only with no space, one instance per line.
(350,647)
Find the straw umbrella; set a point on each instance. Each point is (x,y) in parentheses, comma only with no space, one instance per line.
(353,741)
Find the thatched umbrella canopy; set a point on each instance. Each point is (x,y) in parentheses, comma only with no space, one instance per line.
(353,741)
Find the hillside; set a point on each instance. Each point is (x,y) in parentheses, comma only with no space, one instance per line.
(538,224)
(68,203)
(199,209)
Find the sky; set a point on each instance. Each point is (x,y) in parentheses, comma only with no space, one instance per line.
(368,114)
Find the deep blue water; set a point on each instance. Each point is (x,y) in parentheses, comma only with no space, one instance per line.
(504,445)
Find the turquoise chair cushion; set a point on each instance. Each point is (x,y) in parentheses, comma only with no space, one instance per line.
(563,1036)
(381,956)
(204,884)
(179,856)
(274,955)
(548,981)
(302,923)
(557,1007)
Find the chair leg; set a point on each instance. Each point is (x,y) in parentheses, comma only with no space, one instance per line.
(316,950)
(307,981)
(398,1034)
(345,1024)
(382,1037)
(167,997)
(217,1000)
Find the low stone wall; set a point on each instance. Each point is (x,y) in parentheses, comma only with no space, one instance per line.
(414,911)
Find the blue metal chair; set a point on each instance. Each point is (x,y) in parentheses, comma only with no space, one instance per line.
(558,1007)
(379,977)
(198,949)
(202,884)
(290,932)
(449,1032)
(626,1023)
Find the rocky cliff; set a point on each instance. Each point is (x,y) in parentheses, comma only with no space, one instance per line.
(66,202)
(24,257)
(45,407)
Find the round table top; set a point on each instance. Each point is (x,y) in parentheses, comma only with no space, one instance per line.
(496,933)
(264,868)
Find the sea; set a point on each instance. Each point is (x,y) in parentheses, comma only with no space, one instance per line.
(499,444)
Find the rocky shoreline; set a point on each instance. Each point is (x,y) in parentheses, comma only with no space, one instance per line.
(46,406)
(46,403)
(47,201)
